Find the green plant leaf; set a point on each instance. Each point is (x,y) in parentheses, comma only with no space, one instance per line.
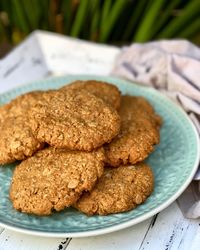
(166,14)
(191,29)
(95,17)
(44,18)
(136,15)
(19,16)
(145,29)
(188,13)
(31,16)
(79,20)
(67,13)
(109,22)
(105,12)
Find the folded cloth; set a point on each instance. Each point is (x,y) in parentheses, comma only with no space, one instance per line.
(172,67)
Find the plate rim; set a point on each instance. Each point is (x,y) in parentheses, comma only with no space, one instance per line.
(136,220)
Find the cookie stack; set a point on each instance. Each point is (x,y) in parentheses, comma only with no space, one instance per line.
(82,146)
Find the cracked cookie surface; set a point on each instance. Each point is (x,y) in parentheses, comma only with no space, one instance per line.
(17,140)
(106,91)
(118,190)
(139,132)
(54,179)
(74,119)
(20,105)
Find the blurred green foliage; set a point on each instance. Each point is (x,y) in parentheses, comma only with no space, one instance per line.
(107,21)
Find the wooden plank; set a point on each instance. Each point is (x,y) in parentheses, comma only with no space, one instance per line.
(171,230)
(1,230)
(195,242)
(16,241)
(123,239)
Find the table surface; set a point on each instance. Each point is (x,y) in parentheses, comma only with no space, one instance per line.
(45,54)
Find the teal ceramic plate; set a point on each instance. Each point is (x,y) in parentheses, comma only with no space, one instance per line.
(174,163)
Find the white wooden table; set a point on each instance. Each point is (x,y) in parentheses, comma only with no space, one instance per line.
(44,54)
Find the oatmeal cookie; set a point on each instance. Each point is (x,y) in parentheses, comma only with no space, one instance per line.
(106,91)
(17,140)
(54,179)
(20,105)
(139,132)
(74,119)
(118,190)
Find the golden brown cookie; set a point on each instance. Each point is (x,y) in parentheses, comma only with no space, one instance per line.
(17,140)
(139,132)
(74,119)
(54,179)
(118,190)
(106,91)
(20,105)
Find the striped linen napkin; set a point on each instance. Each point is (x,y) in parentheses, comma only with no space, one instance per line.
(172,67)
